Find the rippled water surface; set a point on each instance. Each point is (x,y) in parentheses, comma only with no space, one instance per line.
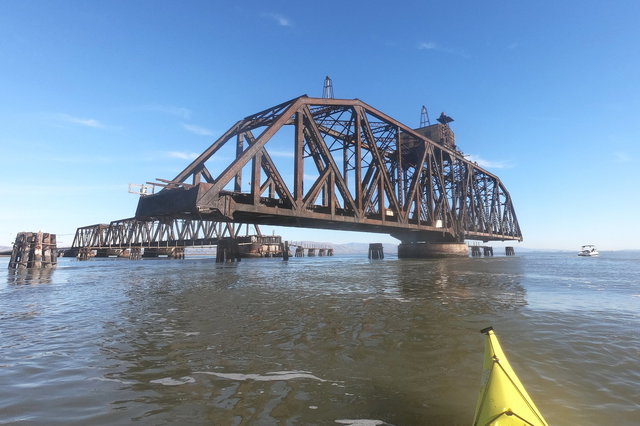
(332,340)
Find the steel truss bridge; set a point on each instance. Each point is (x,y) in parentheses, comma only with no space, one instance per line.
(338,164)
(133,233)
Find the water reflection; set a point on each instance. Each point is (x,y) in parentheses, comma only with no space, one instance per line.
(313,341)
(260,342)
(465,285)
(29,276)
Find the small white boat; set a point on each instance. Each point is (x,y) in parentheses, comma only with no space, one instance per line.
(588,250)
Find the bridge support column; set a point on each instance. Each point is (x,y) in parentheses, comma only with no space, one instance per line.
(228,251)
(376,251)
(85,253)
(135,253)
(33,250)
(432,250)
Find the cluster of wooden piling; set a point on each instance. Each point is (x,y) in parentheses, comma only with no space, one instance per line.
(84,253)
(478,251)
(34,250)
(487,251)
(228,250)
(376,251)
(312,250)
(135,253)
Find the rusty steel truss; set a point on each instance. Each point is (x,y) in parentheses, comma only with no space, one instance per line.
(338,164)
(128,233)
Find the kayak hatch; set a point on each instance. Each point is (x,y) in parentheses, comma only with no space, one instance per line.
(503,400)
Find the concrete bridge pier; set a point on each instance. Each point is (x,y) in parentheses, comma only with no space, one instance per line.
(427,250)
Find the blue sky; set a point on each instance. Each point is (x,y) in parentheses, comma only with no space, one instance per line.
(97,95)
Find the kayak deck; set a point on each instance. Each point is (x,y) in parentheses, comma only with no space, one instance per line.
(503,399)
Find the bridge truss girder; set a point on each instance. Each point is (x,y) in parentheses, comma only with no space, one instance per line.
(127,233)
(347,166)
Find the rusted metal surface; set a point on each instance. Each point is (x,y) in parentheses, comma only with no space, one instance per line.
(348,167)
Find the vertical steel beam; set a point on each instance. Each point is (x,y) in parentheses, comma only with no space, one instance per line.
(239,148)
(298,155)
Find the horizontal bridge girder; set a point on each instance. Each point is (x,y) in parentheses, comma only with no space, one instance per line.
(339,164)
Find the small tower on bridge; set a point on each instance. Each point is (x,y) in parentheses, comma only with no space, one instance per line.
(327,91)
(424,117)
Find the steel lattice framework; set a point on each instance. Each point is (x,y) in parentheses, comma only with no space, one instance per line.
(338,164)
(128,233)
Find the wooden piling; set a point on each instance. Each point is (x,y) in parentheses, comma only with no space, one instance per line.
(135,253)
(85,253)
(509,251)
(34,250)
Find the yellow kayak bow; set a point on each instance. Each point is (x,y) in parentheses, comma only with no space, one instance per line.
(503,400)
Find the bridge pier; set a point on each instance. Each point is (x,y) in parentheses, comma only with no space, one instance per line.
(135,253)
(34,250)
(228,251)
(85,253)
(423,250)
(376,251)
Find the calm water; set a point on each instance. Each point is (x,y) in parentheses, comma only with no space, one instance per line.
(317,340)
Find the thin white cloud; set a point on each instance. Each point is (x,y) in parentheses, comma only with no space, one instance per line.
(202,131)
(175,111)
(430,45)
(622,157)
(183,155)
(427,45)
(489,164)
(88,122)
(279,19)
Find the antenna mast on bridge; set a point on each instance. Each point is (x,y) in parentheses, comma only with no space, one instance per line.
(327,91)
(424,117)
